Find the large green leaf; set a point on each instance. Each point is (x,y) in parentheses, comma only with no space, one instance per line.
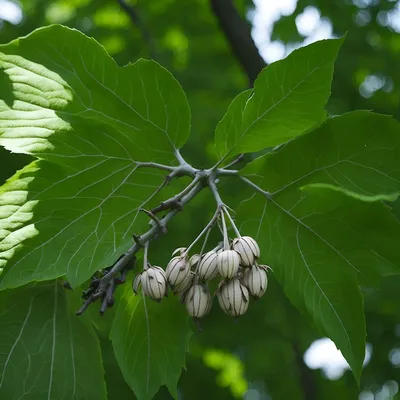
(288,98)
(150,341)
(320,241)
(66,101)
(46,352)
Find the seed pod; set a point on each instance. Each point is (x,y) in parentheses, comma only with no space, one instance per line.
(208,267)
(194,260)
(177,270)
(179,250)
(256,280)
(228,263)
(248,250)
(184,285)
(154,283)
(198,301)
(136,283)
(233,297)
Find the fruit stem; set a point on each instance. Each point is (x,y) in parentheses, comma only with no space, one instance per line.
(202,250)
(226,240)
(205,230)
(232,222)
(145,250)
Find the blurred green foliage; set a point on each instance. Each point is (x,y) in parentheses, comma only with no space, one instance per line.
(262,351)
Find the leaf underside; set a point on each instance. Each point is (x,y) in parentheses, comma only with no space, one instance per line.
(89,121)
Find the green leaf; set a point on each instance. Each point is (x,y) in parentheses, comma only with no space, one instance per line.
(314,231)
(117,387)
(90,121)
(46,352)
(357,151)
(150,341)
(288,98)
(319,242)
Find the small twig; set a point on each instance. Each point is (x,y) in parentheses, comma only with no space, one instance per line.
(87,303)
(225,172)
(154,217)
(108,299)
(125,261)
(214,191)
(66,285)
(174,202)
(137,21)
(179,157)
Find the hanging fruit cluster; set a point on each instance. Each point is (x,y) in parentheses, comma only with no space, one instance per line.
(235,261)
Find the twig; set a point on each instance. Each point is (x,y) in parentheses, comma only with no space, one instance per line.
(175,201)
(104,283)
(154,217)
(214,191)
(93,294)
(66,285)
(108,299)
(137,21)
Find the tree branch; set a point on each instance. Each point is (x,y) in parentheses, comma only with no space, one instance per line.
(105,285)
(137,21)
(238,34)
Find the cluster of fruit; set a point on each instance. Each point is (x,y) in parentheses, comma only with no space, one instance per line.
(236,263)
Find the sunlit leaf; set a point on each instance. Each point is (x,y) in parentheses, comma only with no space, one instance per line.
(66,101)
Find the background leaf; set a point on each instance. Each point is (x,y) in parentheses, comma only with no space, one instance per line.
(288,98)
(47,352)
(150,342)
(89,121)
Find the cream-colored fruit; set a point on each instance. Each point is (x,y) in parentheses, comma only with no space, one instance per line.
(233,297)
(248,250)
(208,267)
(177,271)
(198,301)
(256,280)
(154,282)
(228,263)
